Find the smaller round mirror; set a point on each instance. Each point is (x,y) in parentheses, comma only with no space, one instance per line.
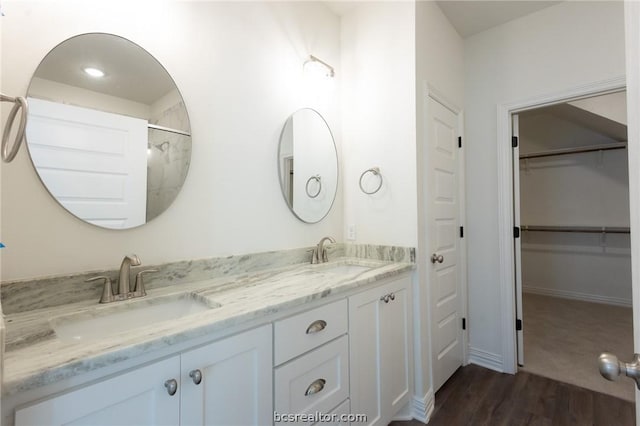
(108,132)
(308,165)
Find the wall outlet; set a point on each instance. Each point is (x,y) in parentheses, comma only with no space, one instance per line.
(351,232)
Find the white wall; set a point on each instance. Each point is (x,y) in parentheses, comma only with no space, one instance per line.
(239,69)
(379,127)
(560,47)
(588,189)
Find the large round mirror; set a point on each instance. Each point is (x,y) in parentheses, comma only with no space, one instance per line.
(308,165)
(108,131)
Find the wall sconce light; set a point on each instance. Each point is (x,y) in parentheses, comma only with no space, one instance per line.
(318,66)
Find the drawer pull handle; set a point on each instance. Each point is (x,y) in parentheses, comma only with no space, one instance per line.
(196,376)
(172,386)
(316,326)
(315,387)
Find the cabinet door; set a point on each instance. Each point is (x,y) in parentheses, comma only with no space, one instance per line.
(135,398)
(380,351)
(236,381)
(396,346)
(364,355)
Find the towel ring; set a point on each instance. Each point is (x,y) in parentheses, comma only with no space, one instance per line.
(18,103)
(376,172)
(317,178)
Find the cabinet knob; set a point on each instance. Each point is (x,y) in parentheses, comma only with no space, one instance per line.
(196,376)
(437,258)
(316,326)
(172,386)
(385,298)
(315,387)
(392,296)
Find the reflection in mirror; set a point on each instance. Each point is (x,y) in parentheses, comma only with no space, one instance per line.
(108,131)
(308,165)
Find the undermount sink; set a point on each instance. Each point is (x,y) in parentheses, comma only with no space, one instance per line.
(118,317)
(347,269)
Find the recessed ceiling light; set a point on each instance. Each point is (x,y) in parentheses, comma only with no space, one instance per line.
(94,72)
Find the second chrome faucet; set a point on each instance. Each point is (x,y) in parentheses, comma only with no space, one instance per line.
(319,254)
(124,287)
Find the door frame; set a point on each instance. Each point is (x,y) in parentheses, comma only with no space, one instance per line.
(506,168)
(430,92)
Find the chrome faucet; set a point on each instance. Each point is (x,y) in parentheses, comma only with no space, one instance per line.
(125,273)
(319,254)
(124,287)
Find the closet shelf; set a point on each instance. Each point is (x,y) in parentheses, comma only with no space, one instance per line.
(578,150)
(581,229)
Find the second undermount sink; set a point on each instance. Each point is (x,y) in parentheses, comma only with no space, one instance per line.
(118,317)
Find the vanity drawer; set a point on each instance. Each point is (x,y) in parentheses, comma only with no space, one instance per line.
(317,381)
(342,411)
(301,333)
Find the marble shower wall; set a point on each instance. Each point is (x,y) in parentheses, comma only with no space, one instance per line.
(169,157)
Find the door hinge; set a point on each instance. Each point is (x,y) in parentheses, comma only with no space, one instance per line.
(462,232)
(459,141)
(516,232)
(518,325)
(464,323)
(514,141)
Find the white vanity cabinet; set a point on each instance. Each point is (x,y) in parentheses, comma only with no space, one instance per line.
(352,356)
(138,397)
(235,389)
(381,351)
(312,361)
(229,382)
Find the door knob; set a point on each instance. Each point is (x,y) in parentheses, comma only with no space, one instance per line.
(437,258)
(611,368)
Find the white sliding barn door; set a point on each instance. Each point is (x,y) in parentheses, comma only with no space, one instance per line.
(94,163)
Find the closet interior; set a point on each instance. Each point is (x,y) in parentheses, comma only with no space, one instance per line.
(572,190)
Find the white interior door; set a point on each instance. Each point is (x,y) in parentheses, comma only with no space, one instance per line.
(445,278)
(94,163)
(516,241)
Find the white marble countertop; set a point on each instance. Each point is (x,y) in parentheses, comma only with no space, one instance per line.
(35,356)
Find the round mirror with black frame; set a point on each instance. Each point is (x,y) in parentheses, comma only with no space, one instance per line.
(308,165)
(108,131)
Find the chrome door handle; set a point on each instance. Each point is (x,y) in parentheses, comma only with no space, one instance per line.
(611,368)
(196,376)
(437,258)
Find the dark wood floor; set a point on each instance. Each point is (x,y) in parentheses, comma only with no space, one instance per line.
(477,396)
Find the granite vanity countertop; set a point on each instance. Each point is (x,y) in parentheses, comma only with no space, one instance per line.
(35,356)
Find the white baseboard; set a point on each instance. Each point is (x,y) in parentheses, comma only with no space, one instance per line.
(574,295)
(486,359)
(423,407)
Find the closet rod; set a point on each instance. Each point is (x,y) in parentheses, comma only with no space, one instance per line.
(168,129)
(591,148)
(581,229)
